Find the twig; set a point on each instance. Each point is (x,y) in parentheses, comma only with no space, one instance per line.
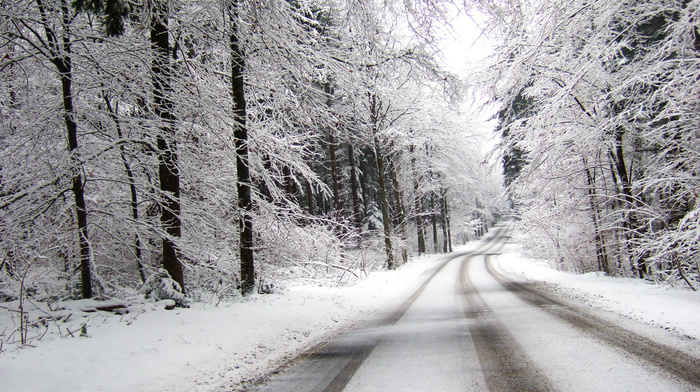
(680,271)
(329,265)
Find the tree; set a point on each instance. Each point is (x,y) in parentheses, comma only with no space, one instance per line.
(240,134)
(50,37)
(598,80)
(168,170)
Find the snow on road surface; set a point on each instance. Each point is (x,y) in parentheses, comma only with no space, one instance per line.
(469,327)
(199,348)
(209,348)
(673,309)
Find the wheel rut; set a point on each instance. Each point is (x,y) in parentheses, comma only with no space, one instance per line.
(360,354)
(505,365)
(668,359)
(331,367)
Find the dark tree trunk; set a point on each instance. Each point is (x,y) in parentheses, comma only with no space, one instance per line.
(399,208)
(166,140)
(240,134)
(631,222)
(353,188)
(417,205)
(337,205)
(447,223)
(363,188)
(77,182)
(60,53)
(289,187)
(310,198)
(601,253)
(397,196)
(383,201)
(419,226)
(132,187)
(433,217)
(332,148)
(446,243)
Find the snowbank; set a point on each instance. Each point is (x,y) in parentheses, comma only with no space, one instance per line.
(202,348)
(209,348)
(673,309)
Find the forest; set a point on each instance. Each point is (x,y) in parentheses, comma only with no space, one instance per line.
(599,126)
(194,150)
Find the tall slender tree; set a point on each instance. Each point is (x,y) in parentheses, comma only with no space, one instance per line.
(240,134)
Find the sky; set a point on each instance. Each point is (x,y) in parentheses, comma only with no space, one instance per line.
(465,45)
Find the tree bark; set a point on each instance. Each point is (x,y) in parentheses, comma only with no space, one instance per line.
(601,253)
(166,140)
(446,241)
(631,222)
(61,58)
(357,217)
(417,205)
(332,146)
(132,186)
(384,203)
(337,205)
(310,198)
(433,217)
(399,208)
(240,135)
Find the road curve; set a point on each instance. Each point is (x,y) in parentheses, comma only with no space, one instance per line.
(468,327)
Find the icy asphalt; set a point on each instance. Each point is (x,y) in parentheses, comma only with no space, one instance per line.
(467,327)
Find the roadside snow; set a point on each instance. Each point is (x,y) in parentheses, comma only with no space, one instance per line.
(673,309)
(195,349)
(210,348)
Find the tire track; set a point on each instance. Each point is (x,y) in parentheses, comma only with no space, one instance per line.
(505,365)
(668,359)
(344,376)
(331,366)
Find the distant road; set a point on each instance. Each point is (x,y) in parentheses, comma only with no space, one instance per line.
(469,328)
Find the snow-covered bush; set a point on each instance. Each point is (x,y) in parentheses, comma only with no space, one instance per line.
(160,286)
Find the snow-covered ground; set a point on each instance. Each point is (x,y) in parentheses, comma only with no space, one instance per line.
(673,309)
(195,349)
(207,347)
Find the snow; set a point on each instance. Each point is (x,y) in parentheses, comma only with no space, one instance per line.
(195,349)
(673,309)
(210,348)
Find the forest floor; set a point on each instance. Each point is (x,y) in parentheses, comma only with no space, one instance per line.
(205,347)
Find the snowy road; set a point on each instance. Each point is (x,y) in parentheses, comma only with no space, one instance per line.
(467,327)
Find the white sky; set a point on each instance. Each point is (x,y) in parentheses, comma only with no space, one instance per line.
(464,45)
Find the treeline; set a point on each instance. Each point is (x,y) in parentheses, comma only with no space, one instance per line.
(599,124)
(227,143)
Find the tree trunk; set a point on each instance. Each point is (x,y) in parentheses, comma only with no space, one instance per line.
(166,140)
(384,203)
(631,222)
(77,182)
(399,208)
(132,186)
(419,226)
(240,135)
(363,188)
(447,223)
(337,205)
(417,205)
(433,217)
(353,188)
(310,198)
(446,241)
(601,253)
(61,58)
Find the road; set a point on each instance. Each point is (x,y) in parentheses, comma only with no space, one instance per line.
(467,327)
